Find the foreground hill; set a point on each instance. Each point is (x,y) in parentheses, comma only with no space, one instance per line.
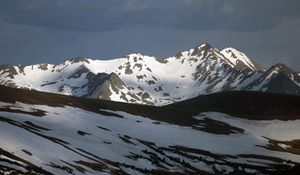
(224,133)
(142,79)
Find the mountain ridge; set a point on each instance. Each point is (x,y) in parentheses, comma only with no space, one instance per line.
(145,79)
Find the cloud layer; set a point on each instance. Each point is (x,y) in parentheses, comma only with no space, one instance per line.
(94,15)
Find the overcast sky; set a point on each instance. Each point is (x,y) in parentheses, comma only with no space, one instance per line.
(50,31)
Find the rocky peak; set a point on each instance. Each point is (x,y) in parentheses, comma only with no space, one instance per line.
(103,85)
(112,77)
(100,79)
(281,68)
(198,50)
(43,66)
(78,60)
(205,46)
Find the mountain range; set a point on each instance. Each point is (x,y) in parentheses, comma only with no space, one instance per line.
(202,111)
(142,79)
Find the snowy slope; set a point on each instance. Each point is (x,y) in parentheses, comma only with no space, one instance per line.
(67,139)
(240,60)
(143,79)
(71,77)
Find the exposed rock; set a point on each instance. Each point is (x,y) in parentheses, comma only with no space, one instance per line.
(139,93)
(145,95)
(151,82)
(148,69)
(123,96)
(78,73)
(133,96)
(140,66)
(178,55)
(164,61)
(159,88)
(139,77)
(204,47)
(21,69)
(78,60)
(127,69)
(145,98)
(62,88)
(10,70)
(166,94)
(101,84)
(43,66)
(50,83)
(154,78)
(242,66)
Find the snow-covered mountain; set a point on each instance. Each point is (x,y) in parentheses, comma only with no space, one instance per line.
(47,134)
(142,79)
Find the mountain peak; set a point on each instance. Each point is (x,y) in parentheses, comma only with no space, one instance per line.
(78,60)
(280,67)
(280,79)
(204,47)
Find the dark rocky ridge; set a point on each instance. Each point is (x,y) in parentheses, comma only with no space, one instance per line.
(101,84)
(282,80)
(283,84)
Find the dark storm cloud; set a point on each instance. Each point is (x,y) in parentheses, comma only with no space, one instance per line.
(94,15)
(50,31)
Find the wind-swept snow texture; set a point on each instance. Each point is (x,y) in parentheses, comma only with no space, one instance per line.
(66,139)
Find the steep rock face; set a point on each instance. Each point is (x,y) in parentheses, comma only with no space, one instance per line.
(110,87)
(138,78)
(101,85)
